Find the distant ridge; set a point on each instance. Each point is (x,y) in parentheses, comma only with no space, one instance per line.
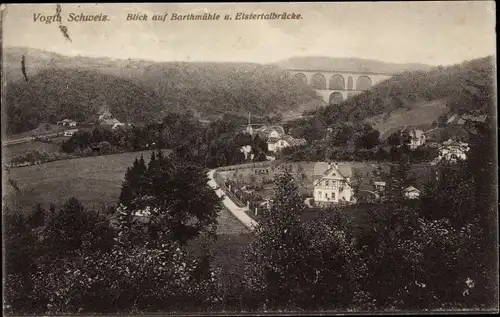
(348,64)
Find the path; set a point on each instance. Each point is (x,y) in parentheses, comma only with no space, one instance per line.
(238,212)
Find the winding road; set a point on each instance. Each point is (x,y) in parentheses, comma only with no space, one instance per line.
(238,212)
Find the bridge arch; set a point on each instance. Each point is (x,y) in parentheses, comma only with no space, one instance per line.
(336,98)
(301,77)
(350,83)
(363,83)
(318,81)
(337,82)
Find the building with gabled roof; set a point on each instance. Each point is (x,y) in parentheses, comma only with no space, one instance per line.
(412,192)
(453,150)
(332,183)
(275,144)
(417,138)
(67,123)
(474,118)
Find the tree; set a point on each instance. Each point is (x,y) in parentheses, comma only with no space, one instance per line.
(73,228)
(441,121)
(135,183)
(464,194)
(394,140)
(340,134)
(37,217)
(365,136)
(275,270)
(177,199)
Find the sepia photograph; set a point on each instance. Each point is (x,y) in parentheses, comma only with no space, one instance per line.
(312,158)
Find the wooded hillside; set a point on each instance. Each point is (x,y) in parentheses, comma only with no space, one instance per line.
(137,91)
(464,87)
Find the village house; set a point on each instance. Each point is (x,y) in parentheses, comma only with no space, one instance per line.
(112,122)
(277,144)
(67,123)
(411,192)
(332,184)
(452,151)
(70,132)
(379,186)
(105,115)
(467,117)
(272,131)
(417,138)
(118,124)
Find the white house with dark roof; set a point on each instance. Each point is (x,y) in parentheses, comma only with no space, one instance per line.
(67,123)
(332,183)
(453,150)
(411,192)
(283,141)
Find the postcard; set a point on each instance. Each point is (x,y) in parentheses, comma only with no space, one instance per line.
(249,158)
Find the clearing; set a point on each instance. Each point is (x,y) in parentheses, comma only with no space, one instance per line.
(421,116)
(95,181)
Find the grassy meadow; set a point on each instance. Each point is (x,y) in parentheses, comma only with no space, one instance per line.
(13,150)
(95,181)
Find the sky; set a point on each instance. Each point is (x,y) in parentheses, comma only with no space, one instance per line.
(434,33)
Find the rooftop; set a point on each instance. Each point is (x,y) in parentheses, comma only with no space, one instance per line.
(323,169)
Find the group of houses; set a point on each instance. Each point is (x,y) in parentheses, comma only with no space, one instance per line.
(73,126)
(334,183)
(275,136)
(450,150)
(106,119)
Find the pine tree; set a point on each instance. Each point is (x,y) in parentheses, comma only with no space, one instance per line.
(134,184)
(37,217)
(179,201)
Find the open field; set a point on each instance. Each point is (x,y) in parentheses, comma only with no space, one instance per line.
(421,117)
(10,151)
(96,181)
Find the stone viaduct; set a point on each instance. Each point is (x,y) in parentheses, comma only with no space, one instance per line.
(336,86)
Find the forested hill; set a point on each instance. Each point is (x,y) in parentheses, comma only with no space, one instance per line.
(348,64)
(137,91)
(52,95)
(464,87)
(215,88)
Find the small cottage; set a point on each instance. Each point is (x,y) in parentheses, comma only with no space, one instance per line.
(452,151)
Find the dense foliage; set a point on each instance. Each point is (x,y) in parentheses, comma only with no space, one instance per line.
(75,260)
(460,85)
(436,252)
(174,198)
(206,88)
(53,95)
(216,144)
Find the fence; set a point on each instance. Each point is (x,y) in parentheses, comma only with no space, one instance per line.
(249,165)
(220,182)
